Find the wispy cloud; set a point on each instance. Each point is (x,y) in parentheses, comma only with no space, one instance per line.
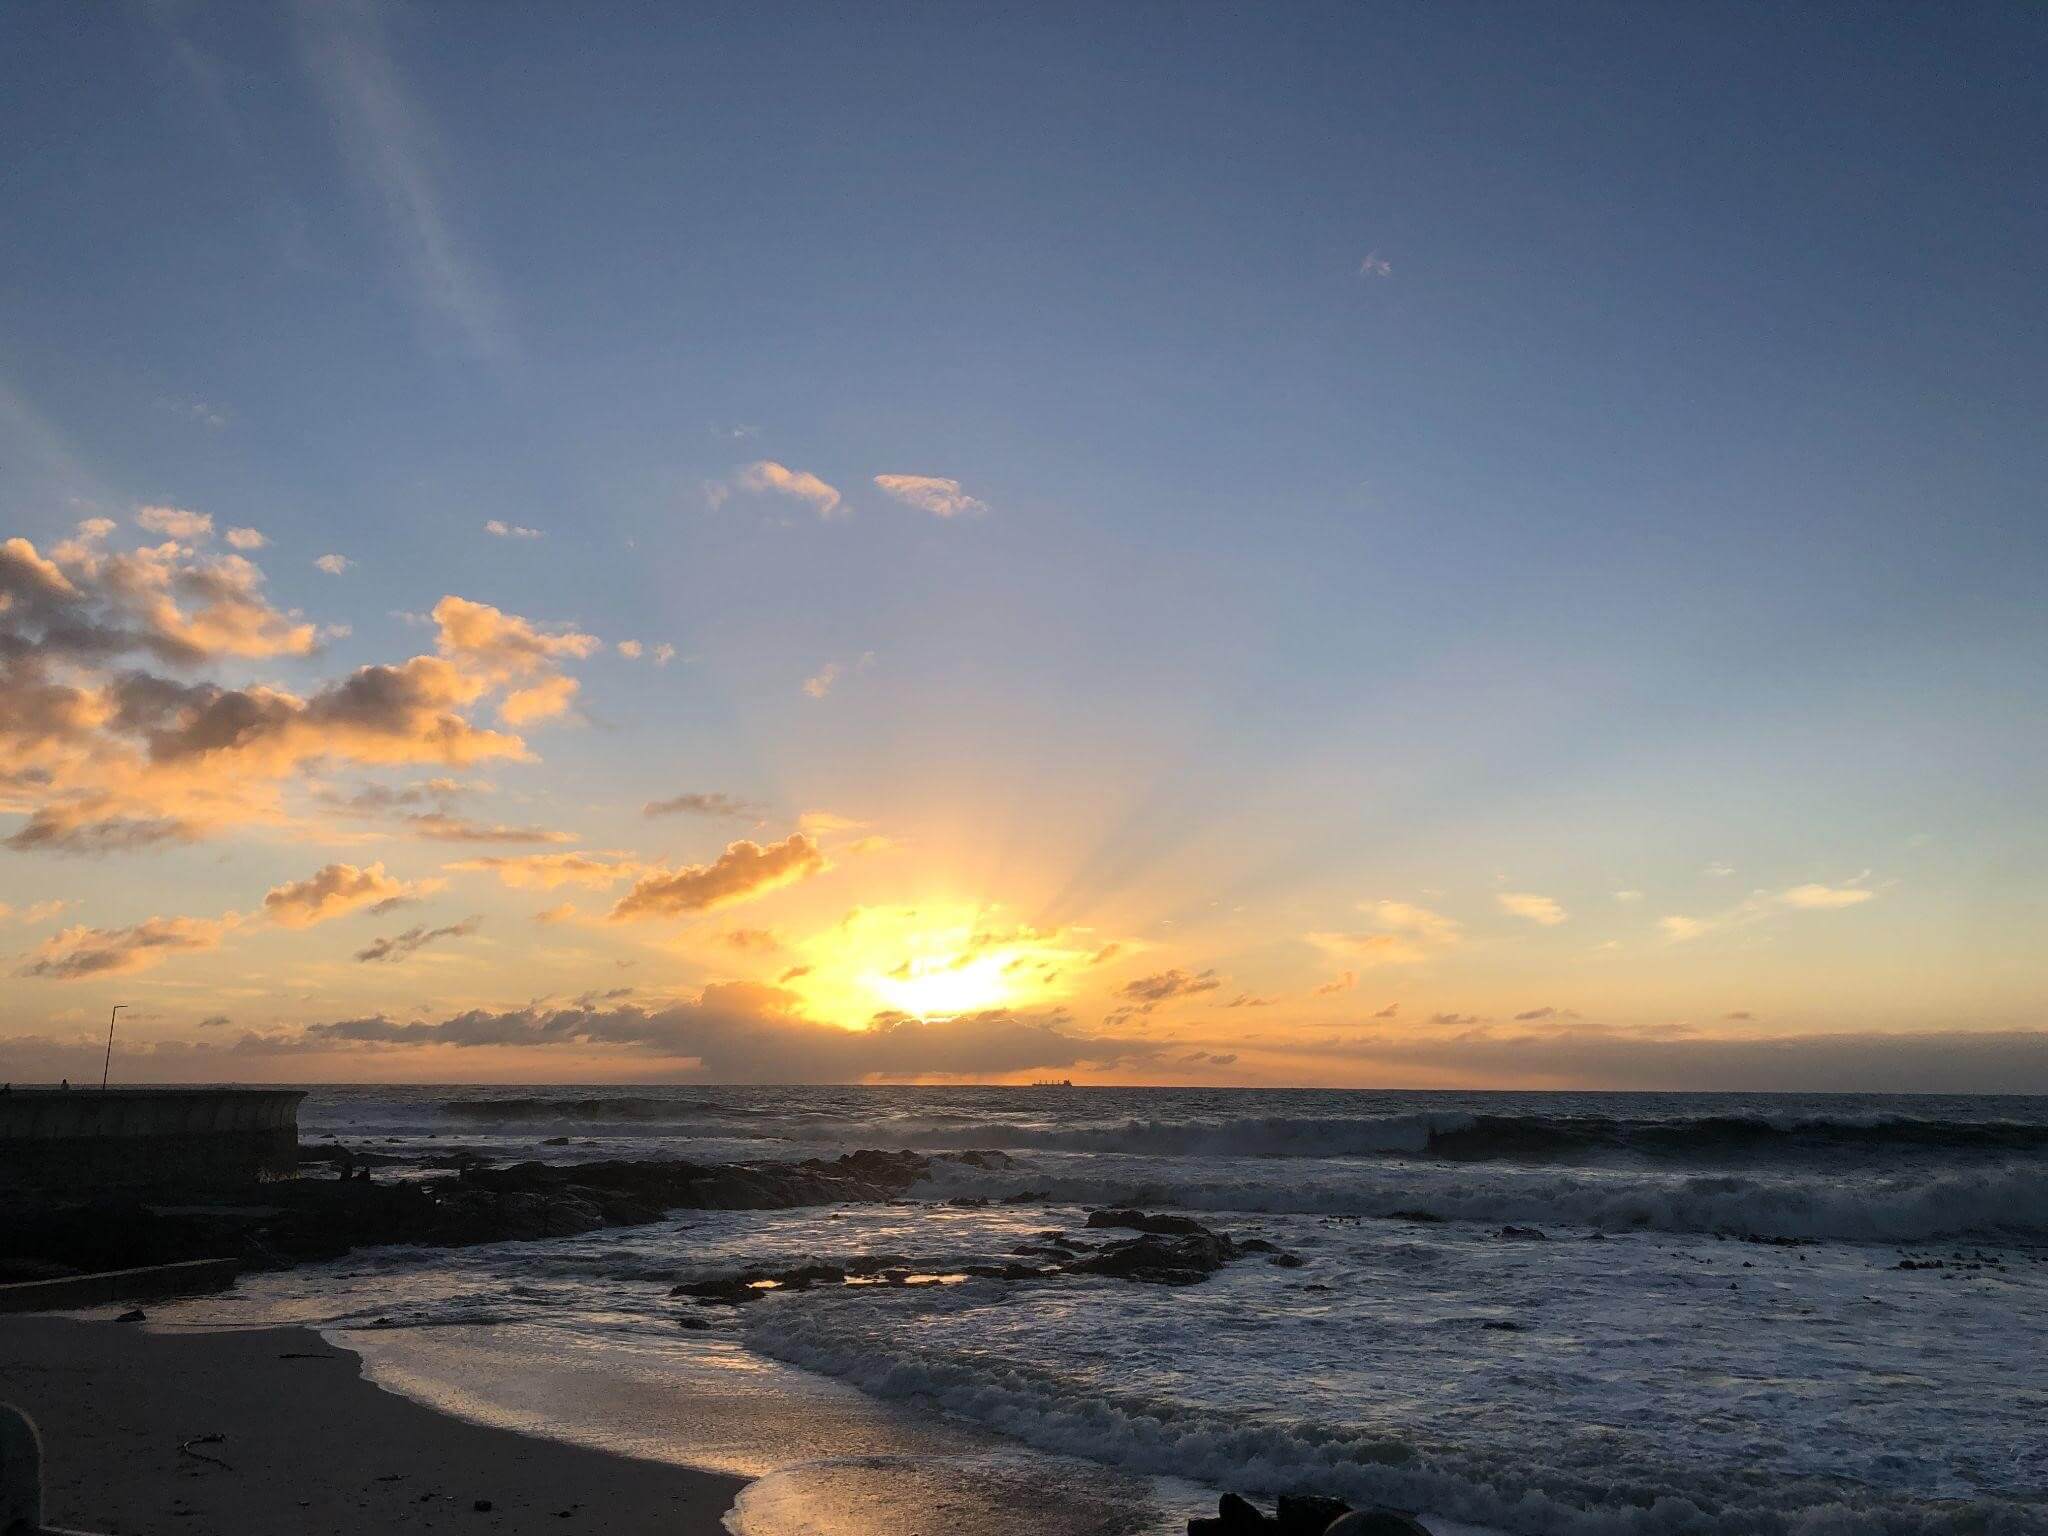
(698,803)
(826,678)
(1760,905)
(334,565)
(1537,909)
(399,945)
(1824,897)
(390,147)
(500,529)
(932,493)
(765,477)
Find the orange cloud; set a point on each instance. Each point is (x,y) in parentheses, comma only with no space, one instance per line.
(337,889)
(79,953)
(547,871)
(745,870)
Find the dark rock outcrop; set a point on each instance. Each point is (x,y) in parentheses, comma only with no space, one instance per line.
(1303,1515)
(1140,1221)
(1160,1260)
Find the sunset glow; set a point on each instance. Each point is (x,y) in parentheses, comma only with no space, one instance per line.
(1121,593)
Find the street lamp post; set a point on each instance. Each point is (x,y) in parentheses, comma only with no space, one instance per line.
(108,1065)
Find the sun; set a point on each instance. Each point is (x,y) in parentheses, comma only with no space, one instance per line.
(930,962)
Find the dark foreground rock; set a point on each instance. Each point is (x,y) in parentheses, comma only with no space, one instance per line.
(309,1219)
(1303,1515)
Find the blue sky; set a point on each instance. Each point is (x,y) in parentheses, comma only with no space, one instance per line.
(1421,453)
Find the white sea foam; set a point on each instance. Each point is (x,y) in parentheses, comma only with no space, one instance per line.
(1652,1383)
(2008,1203)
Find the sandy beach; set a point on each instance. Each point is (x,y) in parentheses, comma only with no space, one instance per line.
(306,1444)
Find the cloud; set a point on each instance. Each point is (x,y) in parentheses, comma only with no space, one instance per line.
(503,646)
(556,914)
(498,528)
(745,870)
(664,654)
(1534,1015)
(1824,897)
(76,954)
(630,649)
(175,522)
(337,889)
(35,912)
(245,539)
(1150,991)
(445,827)
(548,871)
(1343,983)
(102,756)
(1388,1012)
(766,477)
(1538,909)
(700,803)
(751,941)
(1408,935)
(85,604)
(1763,905)
(1375,265)
(392,151)
(827,677)
(334,565)
(399,945)
(933,494)
(746,1032)
(1719,869)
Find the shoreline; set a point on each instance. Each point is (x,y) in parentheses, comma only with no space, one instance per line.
(310,1443)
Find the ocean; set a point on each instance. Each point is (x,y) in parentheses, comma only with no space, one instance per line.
(1555,1314)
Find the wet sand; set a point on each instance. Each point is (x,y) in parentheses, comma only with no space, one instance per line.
(308,1445)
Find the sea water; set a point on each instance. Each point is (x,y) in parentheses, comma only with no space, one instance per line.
(1595,1314)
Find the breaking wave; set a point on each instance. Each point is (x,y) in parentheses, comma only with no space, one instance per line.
(1449,1136)
(1998,1203)
(1595,1484)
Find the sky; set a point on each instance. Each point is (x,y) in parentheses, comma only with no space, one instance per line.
(1393,546)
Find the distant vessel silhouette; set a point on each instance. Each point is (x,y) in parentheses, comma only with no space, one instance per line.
(1062,1083)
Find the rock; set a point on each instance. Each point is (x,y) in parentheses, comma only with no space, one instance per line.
(1500,1325)
(1205,1525)
(1241,1517)
(555,1141)
(1308,1514)
(133,1315)
(1139,1221)
(1287,1261)
(482,1506)
(1522,1235)
(731,1290)
(1377,1522)
(1160,1260)
(981,1157)
(694,1324)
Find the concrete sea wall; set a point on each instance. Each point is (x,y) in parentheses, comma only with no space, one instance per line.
(82,1141)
